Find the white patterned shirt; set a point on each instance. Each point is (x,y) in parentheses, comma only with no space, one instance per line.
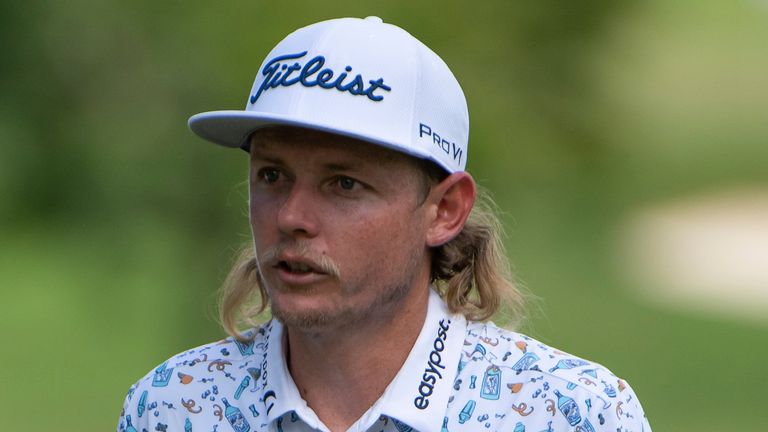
(458,377)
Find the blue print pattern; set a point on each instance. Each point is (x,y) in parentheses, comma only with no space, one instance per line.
(546,389)
(459,377)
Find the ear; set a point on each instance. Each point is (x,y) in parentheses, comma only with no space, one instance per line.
(451,201)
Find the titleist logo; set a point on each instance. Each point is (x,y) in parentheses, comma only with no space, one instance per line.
(434,366)
(279,74)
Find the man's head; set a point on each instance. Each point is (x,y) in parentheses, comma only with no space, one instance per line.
(343,229)
(358,138)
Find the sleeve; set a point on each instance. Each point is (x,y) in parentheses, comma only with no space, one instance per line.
(129,416)
(624,413)
(146,410)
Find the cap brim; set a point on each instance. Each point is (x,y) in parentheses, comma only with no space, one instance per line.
(233,128)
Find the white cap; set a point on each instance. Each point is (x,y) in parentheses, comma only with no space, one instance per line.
(360,78)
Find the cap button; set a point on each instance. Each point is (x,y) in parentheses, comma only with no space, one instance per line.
(374,19)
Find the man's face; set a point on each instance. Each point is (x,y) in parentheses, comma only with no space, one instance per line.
(338,225)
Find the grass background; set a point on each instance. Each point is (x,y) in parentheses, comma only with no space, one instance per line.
(117,225)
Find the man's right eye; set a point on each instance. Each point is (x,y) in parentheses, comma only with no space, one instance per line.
(269,175)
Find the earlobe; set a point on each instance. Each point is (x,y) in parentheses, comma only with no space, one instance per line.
(453,198)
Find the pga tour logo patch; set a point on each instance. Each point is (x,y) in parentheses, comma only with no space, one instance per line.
(278,73)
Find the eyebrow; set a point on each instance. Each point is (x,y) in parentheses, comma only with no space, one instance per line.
(266,158)
(333,166)
(330,166)
(350,163)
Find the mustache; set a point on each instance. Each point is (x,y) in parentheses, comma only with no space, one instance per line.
(301,249)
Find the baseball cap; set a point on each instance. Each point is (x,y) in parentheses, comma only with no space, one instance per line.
(360,78)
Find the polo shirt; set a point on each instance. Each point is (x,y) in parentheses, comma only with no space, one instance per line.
(459,376)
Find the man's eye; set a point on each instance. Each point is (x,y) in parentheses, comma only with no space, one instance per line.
(269,175)
(347,183)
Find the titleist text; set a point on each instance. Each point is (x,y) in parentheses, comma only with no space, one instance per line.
(277,73)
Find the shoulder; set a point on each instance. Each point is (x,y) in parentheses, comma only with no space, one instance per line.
(543,386)
(193,383)
(522,353)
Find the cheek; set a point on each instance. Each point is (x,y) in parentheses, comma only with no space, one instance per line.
(261,216)
(264,206)
(381,242)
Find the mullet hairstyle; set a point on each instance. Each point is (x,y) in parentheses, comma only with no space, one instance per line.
(471,272)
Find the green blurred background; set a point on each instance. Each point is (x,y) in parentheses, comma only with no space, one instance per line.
(117,224)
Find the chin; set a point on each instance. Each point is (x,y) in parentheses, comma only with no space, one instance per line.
(312,319)
(303,310)
(319,308)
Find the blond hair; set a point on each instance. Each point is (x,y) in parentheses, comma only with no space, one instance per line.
(471,272)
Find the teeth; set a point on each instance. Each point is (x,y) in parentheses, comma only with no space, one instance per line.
(299,267)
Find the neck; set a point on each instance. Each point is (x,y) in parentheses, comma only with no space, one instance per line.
(362,359)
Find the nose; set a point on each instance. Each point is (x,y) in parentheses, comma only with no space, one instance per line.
(297,215)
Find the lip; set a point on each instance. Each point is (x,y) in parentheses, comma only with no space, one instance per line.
(290,278)
(293,278)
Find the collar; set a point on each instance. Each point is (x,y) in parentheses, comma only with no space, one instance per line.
(417,396)
(279,392)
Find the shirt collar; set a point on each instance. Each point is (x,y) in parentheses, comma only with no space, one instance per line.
(279,393)
(418,395)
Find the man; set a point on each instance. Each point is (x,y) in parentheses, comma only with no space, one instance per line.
(375,261)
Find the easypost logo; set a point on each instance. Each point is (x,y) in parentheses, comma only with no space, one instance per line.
(278,73)
(435,365)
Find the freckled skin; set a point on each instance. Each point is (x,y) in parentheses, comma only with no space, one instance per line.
(354,202)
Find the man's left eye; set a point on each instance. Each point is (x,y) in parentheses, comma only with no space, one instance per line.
(347,183)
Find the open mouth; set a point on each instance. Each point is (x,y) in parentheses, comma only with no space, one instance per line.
(295,267)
